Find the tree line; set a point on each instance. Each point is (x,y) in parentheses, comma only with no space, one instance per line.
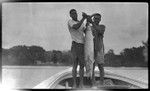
(36,55)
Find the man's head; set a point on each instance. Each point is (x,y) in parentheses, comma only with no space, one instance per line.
(73,14)
(97,18)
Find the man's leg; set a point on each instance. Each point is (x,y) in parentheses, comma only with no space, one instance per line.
(75,64)
(94,64)
(81,73)
(101,69)
(93,75)
(74,72)
(81,63)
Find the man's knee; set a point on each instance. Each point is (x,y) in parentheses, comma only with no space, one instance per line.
(81,66)
(81,62)
(100,66)
(74,71)
(94,65)
(74,67)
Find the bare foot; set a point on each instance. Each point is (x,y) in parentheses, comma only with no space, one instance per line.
(101,82)
(81,86)
(74,86)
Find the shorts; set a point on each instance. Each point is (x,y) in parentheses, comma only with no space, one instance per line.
(99,56)
(77,50)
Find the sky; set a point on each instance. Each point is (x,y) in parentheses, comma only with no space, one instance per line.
(45,24)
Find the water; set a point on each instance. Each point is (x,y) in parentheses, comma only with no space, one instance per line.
(29,76)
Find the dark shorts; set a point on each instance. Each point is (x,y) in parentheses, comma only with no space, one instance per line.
(77,50)
(99,56)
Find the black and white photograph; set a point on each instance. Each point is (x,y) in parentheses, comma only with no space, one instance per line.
(74,45)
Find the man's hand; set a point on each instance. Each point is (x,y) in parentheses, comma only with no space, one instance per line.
(89,19)
(93,14)
(84,15)
(77,26)
(87,24)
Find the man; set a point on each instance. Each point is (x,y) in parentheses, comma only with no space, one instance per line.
(98,32)
(76,29)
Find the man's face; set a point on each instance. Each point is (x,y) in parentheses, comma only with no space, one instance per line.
(97,19)
(74,15)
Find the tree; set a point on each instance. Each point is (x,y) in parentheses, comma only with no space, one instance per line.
(110,58)
(23,55)
(111,52)
(133,56)
(67,58)
(48,56)
(5,53)
(37,53)
(145,50)
(54,56)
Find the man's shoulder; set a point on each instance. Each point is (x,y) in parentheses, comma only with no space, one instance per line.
(102,25)
(70,21)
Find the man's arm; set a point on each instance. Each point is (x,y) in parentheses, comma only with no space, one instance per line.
(96,27)
(77,26)
(84,30)
(99,28)
(87,24)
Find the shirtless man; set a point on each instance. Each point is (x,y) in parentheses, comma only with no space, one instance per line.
(98,32)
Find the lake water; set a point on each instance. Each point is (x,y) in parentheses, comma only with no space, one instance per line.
(26,77)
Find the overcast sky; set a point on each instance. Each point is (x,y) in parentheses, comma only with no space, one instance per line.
(45,24)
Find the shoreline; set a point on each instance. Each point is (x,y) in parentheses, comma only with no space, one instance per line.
(51,66)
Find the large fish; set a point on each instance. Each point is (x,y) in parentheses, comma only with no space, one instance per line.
(89,51)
